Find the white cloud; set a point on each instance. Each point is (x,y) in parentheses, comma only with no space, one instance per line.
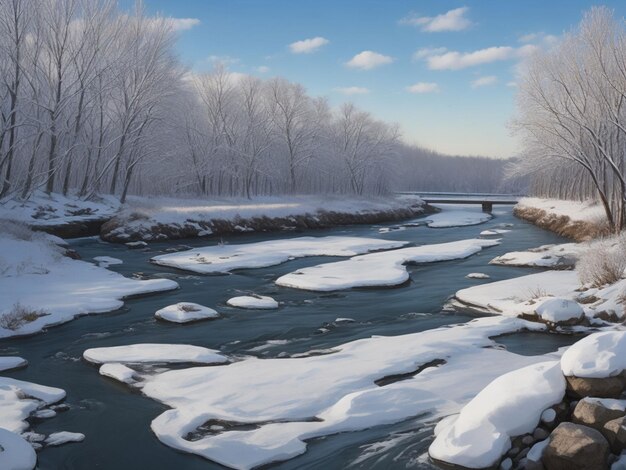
(306,46)
(183,24)
(423,87)
(511,84)
(352,90)
(367,60)
(453,60)
(262,69)
(453,20)
(485,81)
(225,60)
(428,51)
(539,38)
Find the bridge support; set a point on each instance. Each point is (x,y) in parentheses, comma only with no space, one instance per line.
(487,206)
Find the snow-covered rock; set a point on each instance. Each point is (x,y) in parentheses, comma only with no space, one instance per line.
(12,362)
(221,259)
(379,269)
(478,276)
(562,256)
(185,312)
(259,302)
(493,232)
(598,355)
(17,453)
(106,261)
(457,218)
(63,437)
(118,371)
(560,311)
(154,353)
(137,244)
(482,432)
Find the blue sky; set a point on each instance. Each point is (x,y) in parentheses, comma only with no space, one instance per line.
(463,94)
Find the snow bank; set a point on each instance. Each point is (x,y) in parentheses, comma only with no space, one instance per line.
(457,218)
(586,211)
(338,389)
(378,269)
(253,302)
(557,310)
(17,453)
(481,433)
(11,362)
(39,287)
(154,353)
(546,256)
(220,259)
(163,218)
(185,312)
(598,355)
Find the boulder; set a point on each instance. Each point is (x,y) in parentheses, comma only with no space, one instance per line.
(576,447)
(615,433)
(594,414)
(609,387)
(560,312)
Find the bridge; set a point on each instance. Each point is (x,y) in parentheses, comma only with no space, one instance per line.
(487,201)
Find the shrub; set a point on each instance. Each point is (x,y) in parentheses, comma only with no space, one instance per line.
(603,263)
(18,316)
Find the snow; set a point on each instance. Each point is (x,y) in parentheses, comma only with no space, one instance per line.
(493,231)
(185,312)
(598,355)
(336,388)
(118,371)
(197,213)
(253,302)
(482,432)
(106,261)
(536,451)
(221,259)
(17,453)
(379,269)
(457,218)
(154,353)
(35,276)
(478,276)
(546,256)
(63,437)
(557,310)
(42,209)
(586,211)
(10,362)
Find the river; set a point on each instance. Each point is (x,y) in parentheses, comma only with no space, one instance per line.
(116,420)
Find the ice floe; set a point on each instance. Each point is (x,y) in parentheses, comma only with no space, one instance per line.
(185,312)
(12,362)
(63,437)
(493,232)
(39,287)
(17,453)
(154,353)
(562,256)
(220,259)
(482,432)
(478,276)
(336,392)
(457,218)
(118,371)
(106,261)
(379,269)
(259,302)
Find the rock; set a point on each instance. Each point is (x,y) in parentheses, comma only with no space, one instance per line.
(528,440)
(532,465)
(610,387)
(609,316)
(560,312)
(594,414)
(506,464)
(548,416)
(540,434)
(615,433)
(576,447)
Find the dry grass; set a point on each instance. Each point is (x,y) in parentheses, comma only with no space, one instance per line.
(18,316)
(604,263)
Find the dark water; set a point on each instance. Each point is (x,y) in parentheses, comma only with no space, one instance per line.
(117,420)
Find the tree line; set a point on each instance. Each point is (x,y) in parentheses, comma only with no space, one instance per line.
(572,116)
(93,99)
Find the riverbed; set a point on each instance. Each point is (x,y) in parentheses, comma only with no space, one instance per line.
(116,420)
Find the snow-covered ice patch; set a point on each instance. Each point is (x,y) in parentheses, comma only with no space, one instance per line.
(482,432)
(185,312)
(379,269)
(478,276)
(118,371)
(154,353)
(17,453)
(457,218)
(63,437)
(221,259)
(546,256)
(106,261)
(12,362)
(493,232)
(259,302)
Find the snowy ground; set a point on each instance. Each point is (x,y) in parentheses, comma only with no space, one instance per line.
(337,392)
(563,256)
(40,287)
(221,259)
(587,211)
(378,269)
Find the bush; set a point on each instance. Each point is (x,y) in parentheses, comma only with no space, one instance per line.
(603,263)
(18,316)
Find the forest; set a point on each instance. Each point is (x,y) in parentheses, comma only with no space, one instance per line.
(94,99)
